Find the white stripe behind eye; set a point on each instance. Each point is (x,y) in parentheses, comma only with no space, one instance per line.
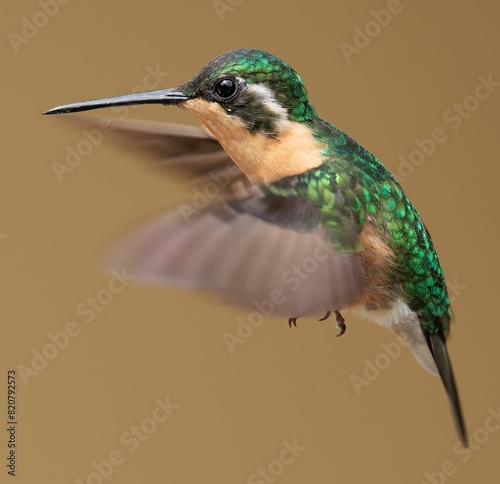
(268,99)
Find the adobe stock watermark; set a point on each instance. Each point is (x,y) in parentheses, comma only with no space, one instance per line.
(93,137)
(222,7)
(130,441)
(291,279)
(364,36)
(30,27)
(289,453)
(454,118)
(3,236)
(375,366)
(87,312)
(477,440)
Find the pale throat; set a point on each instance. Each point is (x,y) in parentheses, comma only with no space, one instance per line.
(262,159)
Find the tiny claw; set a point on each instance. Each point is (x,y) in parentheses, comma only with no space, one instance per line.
(340,323)
(326,316)
(292,321)
(342,327)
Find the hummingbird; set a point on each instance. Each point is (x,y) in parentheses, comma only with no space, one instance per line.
(305,219)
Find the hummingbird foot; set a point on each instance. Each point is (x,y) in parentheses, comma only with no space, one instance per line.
(340,323)
(326,316)
(292,321)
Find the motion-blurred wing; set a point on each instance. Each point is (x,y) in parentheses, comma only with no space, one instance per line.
(258,248)
(189,151)
(254,247)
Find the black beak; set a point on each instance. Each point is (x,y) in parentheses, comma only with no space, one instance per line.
(163,96)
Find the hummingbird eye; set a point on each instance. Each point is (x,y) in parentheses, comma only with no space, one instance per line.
(225,89)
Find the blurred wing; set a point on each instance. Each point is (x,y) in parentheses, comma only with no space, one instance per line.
(189,151)
(253,247)
(259,248)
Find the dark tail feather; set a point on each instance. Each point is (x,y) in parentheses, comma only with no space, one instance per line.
(440,354)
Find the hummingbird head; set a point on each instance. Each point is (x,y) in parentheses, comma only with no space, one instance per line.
(256,106)
(254,87)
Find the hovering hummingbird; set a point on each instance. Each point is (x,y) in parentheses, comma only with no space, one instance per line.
(307,221)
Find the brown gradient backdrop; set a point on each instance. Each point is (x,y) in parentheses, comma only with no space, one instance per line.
(235,410)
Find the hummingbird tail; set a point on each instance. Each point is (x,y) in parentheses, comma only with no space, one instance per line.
(440,354)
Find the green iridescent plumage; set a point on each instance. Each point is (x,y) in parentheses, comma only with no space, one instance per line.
(351,185)
(351,174)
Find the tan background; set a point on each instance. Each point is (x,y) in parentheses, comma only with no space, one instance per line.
(149,343)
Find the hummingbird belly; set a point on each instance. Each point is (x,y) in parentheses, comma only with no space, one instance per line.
(381,290)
